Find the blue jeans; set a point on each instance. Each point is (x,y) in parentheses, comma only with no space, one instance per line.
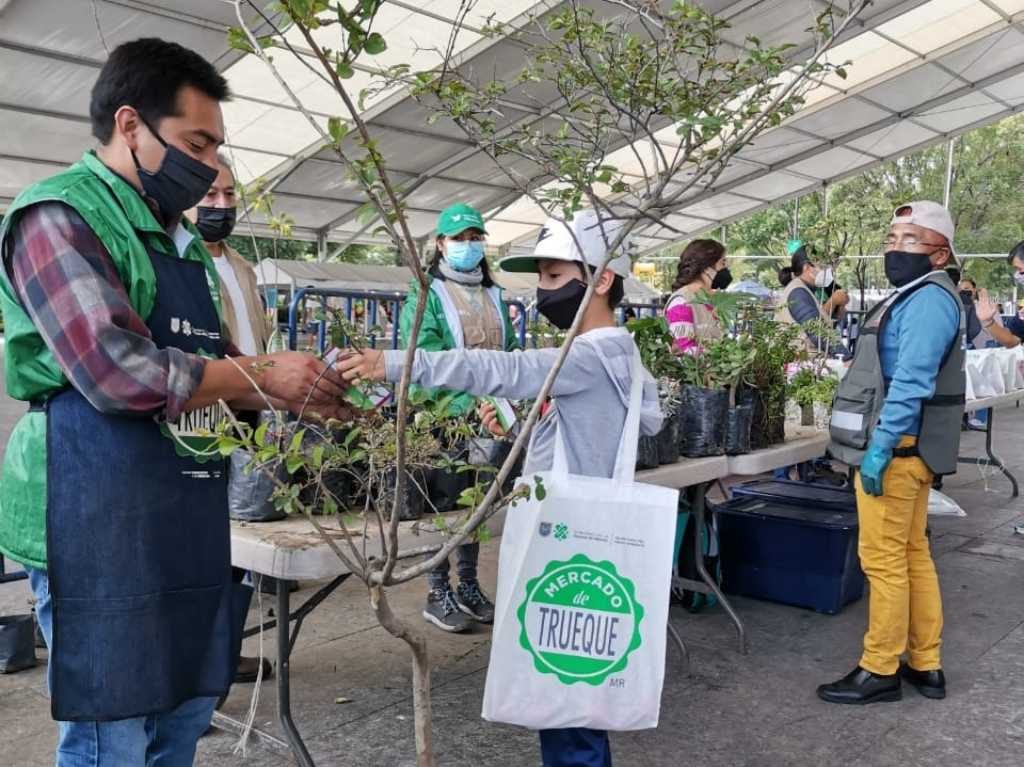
(160,740)
(575,747)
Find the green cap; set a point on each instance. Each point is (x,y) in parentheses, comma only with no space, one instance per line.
(458,218)
(793,246)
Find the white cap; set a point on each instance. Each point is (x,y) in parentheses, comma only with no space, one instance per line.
(929,215)
(556,242)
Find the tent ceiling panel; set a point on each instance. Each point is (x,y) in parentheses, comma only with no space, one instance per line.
(823,122)
(55,139)
(893,139)
(938,23)
(777,145)
(773,186)
(249,164)
(960,112)
(67,85)
(17,174)
(718,207)
(988,56)
(834,162)
(901,94)
(1010,91)
(306,208)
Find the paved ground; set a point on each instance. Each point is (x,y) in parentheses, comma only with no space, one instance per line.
(733,709)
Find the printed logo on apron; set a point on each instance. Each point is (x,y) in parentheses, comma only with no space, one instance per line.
(194,434)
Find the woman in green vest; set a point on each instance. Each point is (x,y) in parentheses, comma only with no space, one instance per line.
(464,310)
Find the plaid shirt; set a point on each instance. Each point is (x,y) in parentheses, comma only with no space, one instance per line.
(71,289)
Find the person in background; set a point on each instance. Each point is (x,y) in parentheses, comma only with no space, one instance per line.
(800,303)
(989,314)
(464,310)
(244,322)
(900,438)
(243,315)
(691,321)
(977,336)
(589,398)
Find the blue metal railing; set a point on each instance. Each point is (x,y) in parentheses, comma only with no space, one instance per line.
(373,299)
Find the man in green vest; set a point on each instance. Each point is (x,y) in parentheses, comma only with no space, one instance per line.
(113,495)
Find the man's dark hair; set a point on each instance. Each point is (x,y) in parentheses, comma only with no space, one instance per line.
(954,274)
(148,74)
(1017,252)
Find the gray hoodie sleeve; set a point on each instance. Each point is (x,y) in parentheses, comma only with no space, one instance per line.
(516,375)
(520,375)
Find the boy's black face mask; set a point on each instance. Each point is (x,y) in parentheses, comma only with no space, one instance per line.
(560,305)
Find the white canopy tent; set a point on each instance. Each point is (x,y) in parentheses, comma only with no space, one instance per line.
(923,71)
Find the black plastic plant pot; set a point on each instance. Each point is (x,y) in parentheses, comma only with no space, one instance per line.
(703,423)
(737,430)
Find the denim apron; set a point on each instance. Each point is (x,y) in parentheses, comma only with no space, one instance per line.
(145,614)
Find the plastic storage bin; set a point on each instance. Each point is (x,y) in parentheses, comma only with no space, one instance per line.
(811,495)
(797,555)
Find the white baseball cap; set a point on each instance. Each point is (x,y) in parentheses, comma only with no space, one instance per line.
(556,242)
(929,215)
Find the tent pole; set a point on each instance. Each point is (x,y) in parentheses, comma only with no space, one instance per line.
(949,175)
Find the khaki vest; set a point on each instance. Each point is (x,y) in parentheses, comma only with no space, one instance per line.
(785,317)
(861,395)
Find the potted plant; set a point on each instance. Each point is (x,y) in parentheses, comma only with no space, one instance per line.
(812,388)
(654,341)
(730,359)
(776,345)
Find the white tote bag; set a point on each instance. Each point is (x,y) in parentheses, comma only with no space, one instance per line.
(583,594)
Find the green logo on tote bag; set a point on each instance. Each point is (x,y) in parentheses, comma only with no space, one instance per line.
(580,620)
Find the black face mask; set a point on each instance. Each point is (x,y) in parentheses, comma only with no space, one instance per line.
(967,297)
(214,224)
(722,280)
(903,268)
(560,305)
(180,181)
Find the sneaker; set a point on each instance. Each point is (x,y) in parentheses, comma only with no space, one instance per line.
(443,612)
(472,601)
(975,425)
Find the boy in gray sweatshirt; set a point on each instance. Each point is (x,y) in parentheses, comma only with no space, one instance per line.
(589,398)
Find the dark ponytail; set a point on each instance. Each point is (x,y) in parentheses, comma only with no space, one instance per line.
(698,256)
(785,276)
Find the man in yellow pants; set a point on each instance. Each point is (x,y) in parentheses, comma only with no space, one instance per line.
(897,417)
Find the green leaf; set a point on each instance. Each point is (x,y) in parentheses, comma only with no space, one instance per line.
(260,438)
(330,507)
(337,128)
(239,41)
(344,70)
(297,441)
(351,436)
(318,456)
(293,463)
(375,44)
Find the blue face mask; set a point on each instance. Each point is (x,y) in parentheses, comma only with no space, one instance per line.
(464,256)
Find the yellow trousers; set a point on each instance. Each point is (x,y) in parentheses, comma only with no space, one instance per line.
(905,607)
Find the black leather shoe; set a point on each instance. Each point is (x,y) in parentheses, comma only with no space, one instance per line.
(249,668)
(931,684)
(861,687)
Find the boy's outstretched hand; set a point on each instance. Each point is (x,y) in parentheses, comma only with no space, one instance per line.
(365,365)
